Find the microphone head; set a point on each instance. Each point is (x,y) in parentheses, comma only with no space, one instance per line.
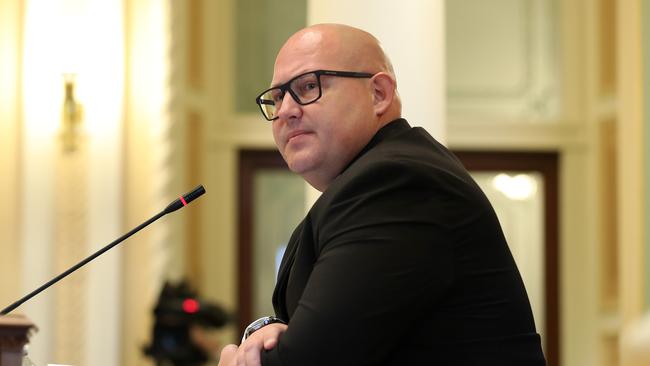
(194,194)
(185,199)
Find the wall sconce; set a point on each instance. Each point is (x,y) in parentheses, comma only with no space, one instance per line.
(72,116)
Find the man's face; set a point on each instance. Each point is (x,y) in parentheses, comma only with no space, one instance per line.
(318,140)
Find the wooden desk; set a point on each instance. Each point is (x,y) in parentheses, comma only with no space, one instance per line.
(15,330)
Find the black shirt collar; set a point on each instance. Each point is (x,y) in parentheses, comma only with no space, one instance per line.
(389,129)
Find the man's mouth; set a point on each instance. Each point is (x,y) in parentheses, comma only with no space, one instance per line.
(293,134)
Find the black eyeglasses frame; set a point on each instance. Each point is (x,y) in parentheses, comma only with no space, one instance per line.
(284,88)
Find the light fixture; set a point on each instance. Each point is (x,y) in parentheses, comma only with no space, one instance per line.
(519,187)
(72,116)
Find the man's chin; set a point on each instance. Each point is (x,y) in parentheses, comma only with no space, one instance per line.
(300,164)
(298,167)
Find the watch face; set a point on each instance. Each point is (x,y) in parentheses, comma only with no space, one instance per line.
(260,323)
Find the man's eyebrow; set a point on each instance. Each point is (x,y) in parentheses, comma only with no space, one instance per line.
(291,78)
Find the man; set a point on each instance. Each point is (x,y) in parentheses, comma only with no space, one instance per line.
(401,261)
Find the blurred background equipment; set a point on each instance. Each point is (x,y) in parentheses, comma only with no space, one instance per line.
(181,317)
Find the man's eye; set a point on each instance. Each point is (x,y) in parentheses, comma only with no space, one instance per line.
(306,87)
(277,97)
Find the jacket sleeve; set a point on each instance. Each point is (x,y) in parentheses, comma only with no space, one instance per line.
(383,259)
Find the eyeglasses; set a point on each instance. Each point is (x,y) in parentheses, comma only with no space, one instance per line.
(304,89)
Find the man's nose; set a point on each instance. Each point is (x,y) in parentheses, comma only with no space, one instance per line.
(289,108)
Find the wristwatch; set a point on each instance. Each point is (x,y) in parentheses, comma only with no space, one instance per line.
(260,323)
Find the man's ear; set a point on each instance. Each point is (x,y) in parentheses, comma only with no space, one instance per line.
(383,92)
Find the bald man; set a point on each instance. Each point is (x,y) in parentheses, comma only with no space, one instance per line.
(401,261)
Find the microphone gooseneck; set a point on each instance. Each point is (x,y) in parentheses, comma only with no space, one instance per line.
(180,202)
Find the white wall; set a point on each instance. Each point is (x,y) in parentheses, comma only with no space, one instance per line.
(412,33)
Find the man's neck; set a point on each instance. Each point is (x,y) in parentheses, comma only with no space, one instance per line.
(319,183)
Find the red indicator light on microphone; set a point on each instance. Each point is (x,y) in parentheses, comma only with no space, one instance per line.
(191,306)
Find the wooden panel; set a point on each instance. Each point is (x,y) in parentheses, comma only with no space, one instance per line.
(608,228)
(609,351)
(629,169)
(607,47)
(645,20)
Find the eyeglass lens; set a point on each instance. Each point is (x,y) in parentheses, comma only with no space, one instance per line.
(305,88)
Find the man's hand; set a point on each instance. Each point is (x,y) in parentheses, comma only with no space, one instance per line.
(248,353)
(228,355)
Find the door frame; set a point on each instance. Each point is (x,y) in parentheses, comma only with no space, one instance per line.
(250,162)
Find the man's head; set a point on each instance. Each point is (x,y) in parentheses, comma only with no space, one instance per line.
(319,140)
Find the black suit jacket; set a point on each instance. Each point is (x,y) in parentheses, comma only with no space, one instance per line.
(402,261)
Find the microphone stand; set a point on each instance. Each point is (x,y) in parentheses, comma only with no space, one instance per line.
(180,202)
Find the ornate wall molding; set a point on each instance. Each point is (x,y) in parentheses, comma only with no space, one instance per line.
(501,60)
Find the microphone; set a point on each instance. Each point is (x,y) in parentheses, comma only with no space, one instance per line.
(180,202)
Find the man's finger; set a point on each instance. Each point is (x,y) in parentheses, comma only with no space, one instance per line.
(252,356)
(273,334)
(270,343)
(228,354)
